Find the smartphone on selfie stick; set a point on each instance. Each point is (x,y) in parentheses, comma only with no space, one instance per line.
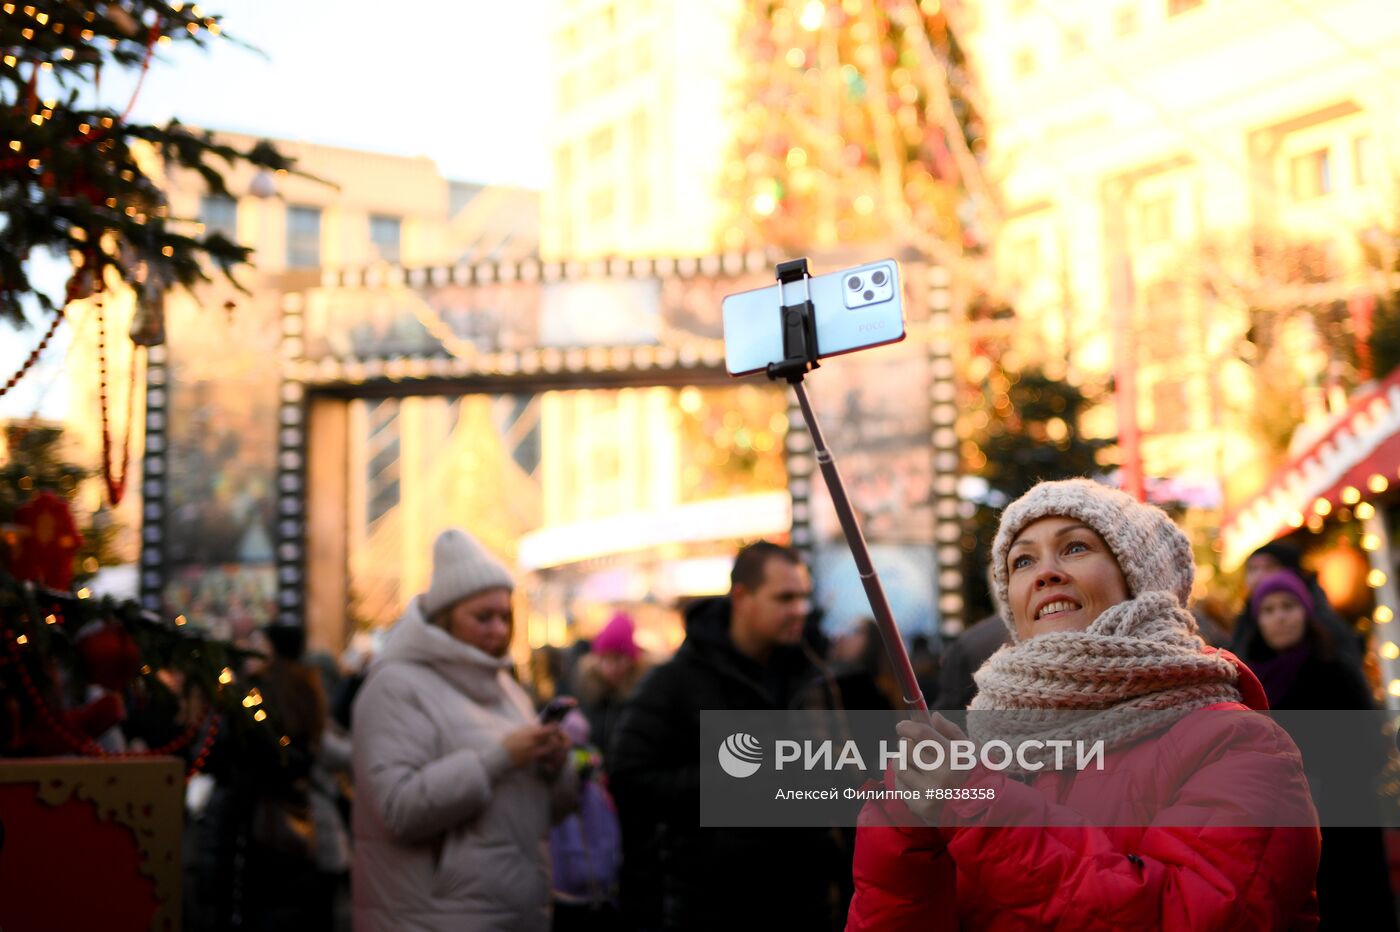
(765,330)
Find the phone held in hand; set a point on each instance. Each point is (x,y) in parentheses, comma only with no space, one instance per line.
(558,707)
(854,309)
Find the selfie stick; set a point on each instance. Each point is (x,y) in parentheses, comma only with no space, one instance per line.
(799,358)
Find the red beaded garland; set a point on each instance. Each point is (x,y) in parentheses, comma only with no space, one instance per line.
(90,748)
(34,356)
(116,486)
(203,756)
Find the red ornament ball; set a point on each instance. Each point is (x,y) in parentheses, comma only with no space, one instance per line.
(110,656)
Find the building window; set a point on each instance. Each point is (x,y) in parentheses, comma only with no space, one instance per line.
(1171,406)
(219,215)
(1024,63)
(600,204)
(1154,220)
(1125,21)
(605,75)
(382,469)
(1363,157)
(600,144)
(568,41)
(1310,175)
(303,237)
(563,169)
(1161,323)
(1177,7)
(385,237)
(563,196)
(640,181)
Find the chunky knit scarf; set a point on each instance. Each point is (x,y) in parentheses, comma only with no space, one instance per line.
(1137,669)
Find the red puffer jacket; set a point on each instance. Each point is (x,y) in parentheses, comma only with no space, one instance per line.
(1075,876)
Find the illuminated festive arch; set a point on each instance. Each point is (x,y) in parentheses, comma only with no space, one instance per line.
(527,327)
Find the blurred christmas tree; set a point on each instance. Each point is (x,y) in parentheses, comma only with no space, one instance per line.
(1381,249)
(857,123)
(1382,252)
(1019,428)
(77,179)
(1384,342)
(57,645)
(33,462)
(733,438)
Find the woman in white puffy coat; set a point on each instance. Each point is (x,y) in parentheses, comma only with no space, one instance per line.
(456,783)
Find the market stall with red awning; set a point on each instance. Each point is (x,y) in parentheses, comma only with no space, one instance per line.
(1355,459)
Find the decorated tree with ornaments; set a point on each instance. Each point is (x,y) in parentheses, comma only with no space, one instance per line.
(78,179)
(857,123)
(46,531)
(101,678)
(81,181)
(89,676)
(1018,428)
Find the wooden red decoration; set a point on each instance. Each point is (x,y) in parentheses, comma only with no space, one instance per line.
(111,658)
(48,541)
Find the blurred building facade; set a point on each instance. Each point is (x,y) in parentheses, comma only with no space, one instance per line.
(604,497)
(1190,174)
(217,381)
(359,208)
(641,97)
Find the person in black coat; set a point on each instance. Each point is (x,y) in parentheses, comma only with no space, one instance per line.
(743,651)
(863,671)
(963,658)
(1300,669)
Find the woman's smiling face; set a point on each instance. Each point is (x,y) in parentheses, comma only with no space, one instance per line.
(1061,576)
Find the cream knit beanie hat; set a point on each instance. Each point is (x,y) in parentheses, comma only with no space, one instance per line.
(461,567)
(1152,552)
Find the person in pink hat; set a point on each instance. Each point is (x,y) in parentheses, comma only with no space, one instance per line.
(607,675)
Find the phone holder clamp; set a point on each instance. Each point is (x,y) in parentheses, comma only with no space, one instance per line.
(799,358)
(799,326)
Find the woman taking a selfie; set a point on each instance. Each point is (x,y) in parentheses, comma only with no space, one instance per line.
(1166,835)
(456,782)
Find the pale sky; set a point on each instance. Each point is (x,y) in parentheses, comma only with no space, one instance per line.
(463,83)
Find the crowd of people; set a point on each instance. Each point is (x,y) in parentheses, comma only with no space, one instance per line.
(432,790)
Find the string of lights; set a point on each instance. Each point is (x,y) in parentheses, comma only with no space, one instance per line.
(40,641)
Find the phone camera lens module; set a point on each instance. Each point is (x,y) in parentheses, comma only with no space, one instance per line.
(878,278)
(854,283)
(869,296)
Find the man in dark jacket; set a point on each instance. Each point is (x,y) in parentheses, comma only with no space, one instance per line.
(744,651)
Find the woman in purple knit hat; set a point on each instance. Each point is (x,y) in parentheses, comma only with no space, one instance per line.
(1299,665)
